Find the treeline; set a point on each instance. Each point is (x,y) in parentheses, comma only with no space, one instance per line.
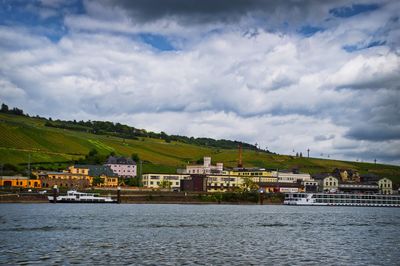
(13,111)
(128,132)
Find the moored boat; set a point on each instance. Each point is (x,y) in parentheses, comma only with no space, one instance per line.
(74,196)
(342,199)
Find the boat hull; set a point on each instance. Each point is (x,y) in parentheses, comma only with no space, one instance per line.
(350,200)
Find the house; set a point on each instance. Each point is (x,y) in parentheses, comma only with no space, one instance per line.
(385,186)
(157,181)
(79,177)
(19,182)
(290,177)
(123,167)
(330,183)
(205,168)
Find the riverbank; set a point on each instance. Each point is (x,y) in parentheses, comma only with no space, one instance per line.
(157,197)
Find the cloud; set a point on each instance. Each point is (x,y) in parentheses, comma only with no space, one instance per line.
(375,133)
(231,69)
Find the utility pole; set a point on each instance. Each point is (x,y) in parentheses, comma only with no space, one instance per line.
(140,174)
(29,169)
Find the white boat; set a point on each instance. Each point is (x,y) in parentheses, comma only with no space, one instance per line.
(74,196)
(342,199)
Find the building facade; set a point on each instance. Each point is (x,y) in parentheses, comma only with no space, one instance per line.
(205,168)
(121,166)
(79,177)
(19,182)
(385,186)
(330,184)
(157,181)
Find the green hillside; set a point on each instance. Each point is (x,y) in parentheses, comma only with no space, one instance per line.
(24,138)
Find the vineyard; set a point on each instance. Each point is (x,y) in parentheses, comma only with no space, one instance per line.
(26,139)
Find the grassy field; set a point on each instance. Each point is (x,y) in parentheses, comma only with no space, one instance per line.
(22,138)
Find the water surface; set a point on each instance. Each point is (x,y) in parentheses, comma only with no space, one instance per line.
(198,234)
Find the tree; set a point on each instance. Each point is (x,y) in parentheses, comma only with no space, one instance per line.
(135,157)
(97,180)
(165,184)
(93,152)
(301,154)
(4,108)
(249,184)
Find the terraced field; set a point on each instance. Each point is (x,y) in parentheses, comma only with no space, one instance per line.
(23,137)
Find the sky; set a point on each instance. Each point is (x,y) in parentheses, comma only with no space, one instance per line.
(288,75)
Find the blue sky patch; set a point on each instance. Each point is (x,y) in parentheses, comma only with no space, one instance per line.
(354,48)
(157,41)
(309,30)
(349,11)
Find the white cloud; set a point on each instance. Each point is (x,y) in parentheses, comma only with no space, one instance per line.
(281,90)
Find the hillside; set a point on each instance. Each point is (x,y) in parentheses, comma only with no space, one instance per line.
(24,137)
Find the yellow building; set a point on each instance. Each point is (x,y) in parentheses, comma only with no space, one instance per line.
(79,177)
(109,181)
(19,181)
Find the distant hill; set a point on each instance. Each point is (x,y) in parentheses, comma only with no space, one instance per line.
(54,145)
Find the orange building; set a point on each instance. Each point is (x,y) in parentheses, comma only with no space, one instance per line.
(19,181)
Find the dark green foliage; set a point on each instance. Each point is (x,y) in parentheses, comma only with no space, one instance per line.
(14,111)
(124,131)
(134,182)
(9,169)
(232,197)
(97,180)
(135,157)
(93,157)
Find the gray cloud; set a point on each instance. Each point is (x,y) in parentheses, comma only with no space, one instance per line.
(323,137)
(279,89)
(375,132)
(229,11)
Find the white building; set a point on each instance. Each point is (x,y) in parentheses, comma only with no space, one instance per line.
(172,181)
(284,177)
(385,186)
(205,168)
(123,167)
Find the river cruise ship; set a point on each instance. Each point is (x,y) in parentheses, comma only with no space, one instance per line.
(342,199)
(74,196)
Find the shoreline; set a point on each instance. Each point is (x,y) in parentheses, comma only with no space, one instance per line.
(159,198)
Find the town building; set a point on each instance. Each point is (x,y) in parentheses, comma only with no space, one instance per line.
(196,183)
(351,187)
(123,167)
(329,184)
(79,177)
(281,187)
(205,168)
(223,183)
(157,181)
(311,186)
(385,186)
(290,177)
(19,182)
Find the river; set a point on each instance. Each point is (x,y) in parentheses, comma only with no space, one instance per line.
(164,234)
